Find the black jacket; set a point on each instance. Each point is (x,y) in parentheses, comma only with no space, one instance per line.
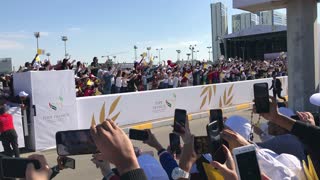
(278,85)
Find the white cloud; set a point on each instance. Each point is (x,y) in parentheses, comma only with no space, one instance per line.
(188,43)
(144,43)
(9,44)
(177,44)
(20,35)
(13,35)
(44,34)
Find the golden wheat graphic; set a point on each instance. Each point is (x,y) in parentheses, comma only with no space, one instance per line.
(226,99)
(207,93)
(102,116)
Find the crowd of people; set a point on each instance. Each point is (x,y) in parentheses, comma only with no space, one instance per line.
(104,78)
(288,150)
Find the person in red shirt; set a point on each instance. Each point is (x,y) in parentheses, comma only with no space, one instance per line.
(8,135)
(210,75)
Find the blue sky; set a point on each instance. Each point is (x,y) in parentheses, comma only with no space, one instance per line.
(97,28)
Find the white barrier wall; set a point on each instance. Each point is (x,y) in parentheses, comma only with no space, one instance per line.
(133,108)
(52,93)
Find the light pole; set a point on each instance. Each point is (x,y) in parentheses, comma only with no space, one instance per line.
(188,54)
(159,51)
(114,57)
(178,57)
(148,48)
(37,35)
(209,48)
(48,54)
(65,39)
(135,52)
(192,48)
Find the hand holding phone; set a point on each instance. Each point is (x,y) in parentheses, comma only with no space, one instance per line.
(229,169)
(66,162)
(175,143)
(140,135)
(16,167)
(214,130)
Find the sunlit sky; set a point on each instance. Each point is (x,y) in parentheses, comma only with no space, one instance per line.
(97,28)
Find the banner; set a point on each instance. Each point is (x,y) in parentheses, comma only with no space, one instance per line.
(53,102)
(55,106)
(17,120)
(133,108)
(41,51)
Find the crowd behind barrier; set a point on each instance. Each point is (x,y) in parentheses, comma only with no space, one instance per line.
(105,78)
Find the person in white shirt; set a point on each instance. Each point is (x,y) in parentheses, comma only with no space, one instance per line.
(165,81)
(124,82)
(118,82)
(176,80)
(144,81)
(170,79)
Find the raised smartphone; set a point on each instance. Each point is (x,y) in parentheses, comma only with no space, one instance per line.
(261,97)
(247,163)
(140,135)
(216,115)
(180,117)
(75,142)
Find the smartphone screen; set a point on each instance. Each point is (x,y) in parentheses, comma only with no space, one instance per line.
(261,97)
(215,141)
(140,135)
(76,142)
(175,143)
(216,115)
(16,167)
(179,120)
(69,163)
(248,165)
(201,145)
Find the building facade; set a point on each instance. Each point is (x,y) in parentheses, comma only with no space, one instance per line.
(244,21)
(272,18)
(219,24)
(5,65)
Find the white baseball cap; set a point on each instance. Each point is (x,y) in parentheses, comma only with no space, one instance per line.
(23,94)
